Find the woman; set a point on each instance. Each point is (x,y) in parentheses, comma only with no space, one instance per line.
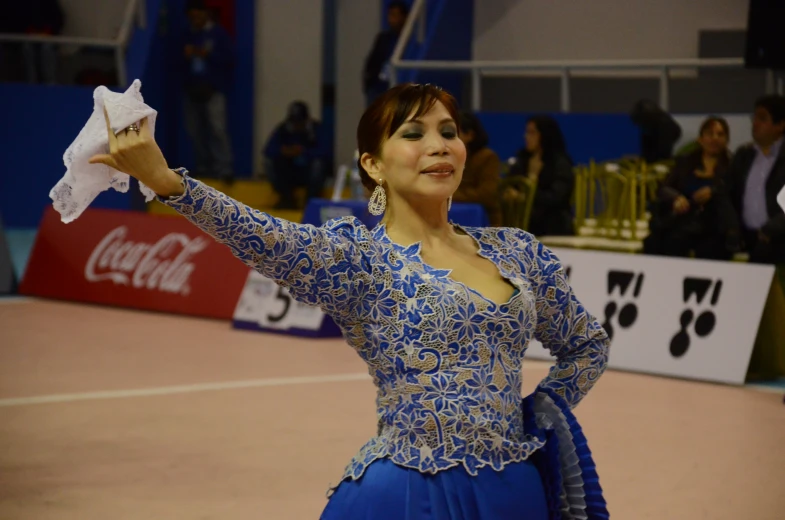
(545,159)
(694,211)
(480,182)
(442,316)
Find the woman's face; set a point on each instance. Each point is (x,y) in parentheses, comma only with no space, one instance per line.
(714,139)
(423,159)
(532,138)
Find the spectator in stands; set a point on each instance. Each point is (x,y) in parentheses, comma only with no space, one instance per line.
(296,156)
(209,57)
(376,77)
(33,18)
(659,131)
(757,174)
(480,183)
(545,159)
(693,211)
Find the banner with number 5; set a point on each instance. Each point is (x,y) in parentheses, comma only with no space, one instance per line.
(265,306)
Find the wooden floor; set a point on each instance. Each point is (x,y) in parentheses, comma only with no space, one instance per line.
(113,414)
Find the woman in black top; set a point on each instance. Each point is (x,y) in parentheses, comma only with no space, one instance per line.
(693,211)
(545,158)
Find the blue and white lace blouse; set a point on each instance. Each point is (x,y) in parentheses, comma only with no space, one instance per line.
(445,360)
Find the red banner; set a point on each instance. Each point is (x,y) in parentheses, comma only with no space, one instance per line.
(130,259)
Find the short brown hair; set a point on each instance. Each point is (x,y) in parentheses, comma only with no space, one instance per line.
(390,110)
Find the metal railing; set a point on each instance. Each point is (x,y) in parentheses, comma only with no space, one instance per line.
(134,12)
(562,69)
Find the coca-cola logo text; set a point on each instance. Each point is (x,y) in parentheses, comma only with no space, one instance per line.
(157,266)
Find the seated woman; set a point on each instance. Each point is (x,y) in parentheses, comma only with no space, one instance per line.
(480,183)
(545,159)
(693,210)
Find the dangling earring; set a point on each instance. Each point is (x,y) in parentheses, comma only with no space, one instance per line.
(449,203)
(378,202)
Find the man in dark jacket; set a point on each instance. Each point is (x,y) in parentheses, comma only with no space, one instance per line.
(375,74)
(209,56)
(757,174)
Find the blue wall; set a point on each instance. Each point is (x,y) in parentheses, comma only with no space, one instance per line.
(448,36)
(589,136)
(42,121)
(240,101)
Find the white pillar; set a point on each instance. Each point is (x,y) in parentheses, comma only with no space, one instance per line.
(358,23)
(288,65)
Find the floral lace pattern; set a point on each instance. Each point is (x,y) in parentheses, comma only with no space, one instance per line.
(445,360)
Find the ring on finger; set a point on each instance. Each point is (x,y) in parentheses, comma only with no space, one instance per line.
(132,126)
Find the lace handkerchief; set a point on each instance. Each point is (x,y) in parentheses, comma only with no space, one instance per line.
(83,181)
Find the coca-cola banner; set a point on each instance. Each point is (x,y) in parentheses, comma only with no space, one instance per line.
(137,260)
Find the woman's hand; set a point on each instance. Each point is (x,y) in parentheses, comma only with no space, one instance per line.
(511,194)
(681,205)
(702,196)
(138,155)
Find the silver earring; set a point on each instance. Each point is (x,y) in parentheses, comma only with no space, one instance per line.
(449,203)
(378,202)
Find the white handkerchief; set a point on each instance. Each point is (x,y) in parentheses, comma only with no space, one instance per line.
(781,198)
(83,181)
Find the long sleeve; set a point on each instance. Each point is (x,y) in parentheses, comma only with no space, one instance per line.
(319,265)
(374,61)
(481,185)
(669,191)
(775,226)
(317,148)
(272,149)
(222,54)
(558,192)
(567,330)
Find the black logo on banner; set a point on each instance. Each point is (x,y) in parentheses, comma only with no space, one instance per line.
(629,312)
(704,324)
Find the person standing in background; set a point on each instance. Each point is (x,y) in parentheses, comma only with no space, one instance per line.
(209,57)
(757,174)
(375,71)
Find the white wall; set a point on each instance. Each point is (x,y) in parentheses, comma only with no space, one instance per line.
(598,29)
(740,128)
(358,23)
(93,18)
(288,66)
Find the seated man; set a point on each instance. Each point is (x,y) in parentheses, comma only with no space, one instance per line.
(296,156)
(757,174)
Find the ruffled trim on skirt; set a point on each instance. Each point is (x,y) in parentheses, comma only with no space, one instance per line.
(565,462)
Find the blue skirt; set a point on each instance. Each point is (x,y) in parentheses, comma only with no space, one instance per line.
(558,482)
(390,492)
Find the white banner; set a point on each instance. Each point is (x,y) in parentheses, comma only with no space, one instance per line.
(264,305)
(679,317)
